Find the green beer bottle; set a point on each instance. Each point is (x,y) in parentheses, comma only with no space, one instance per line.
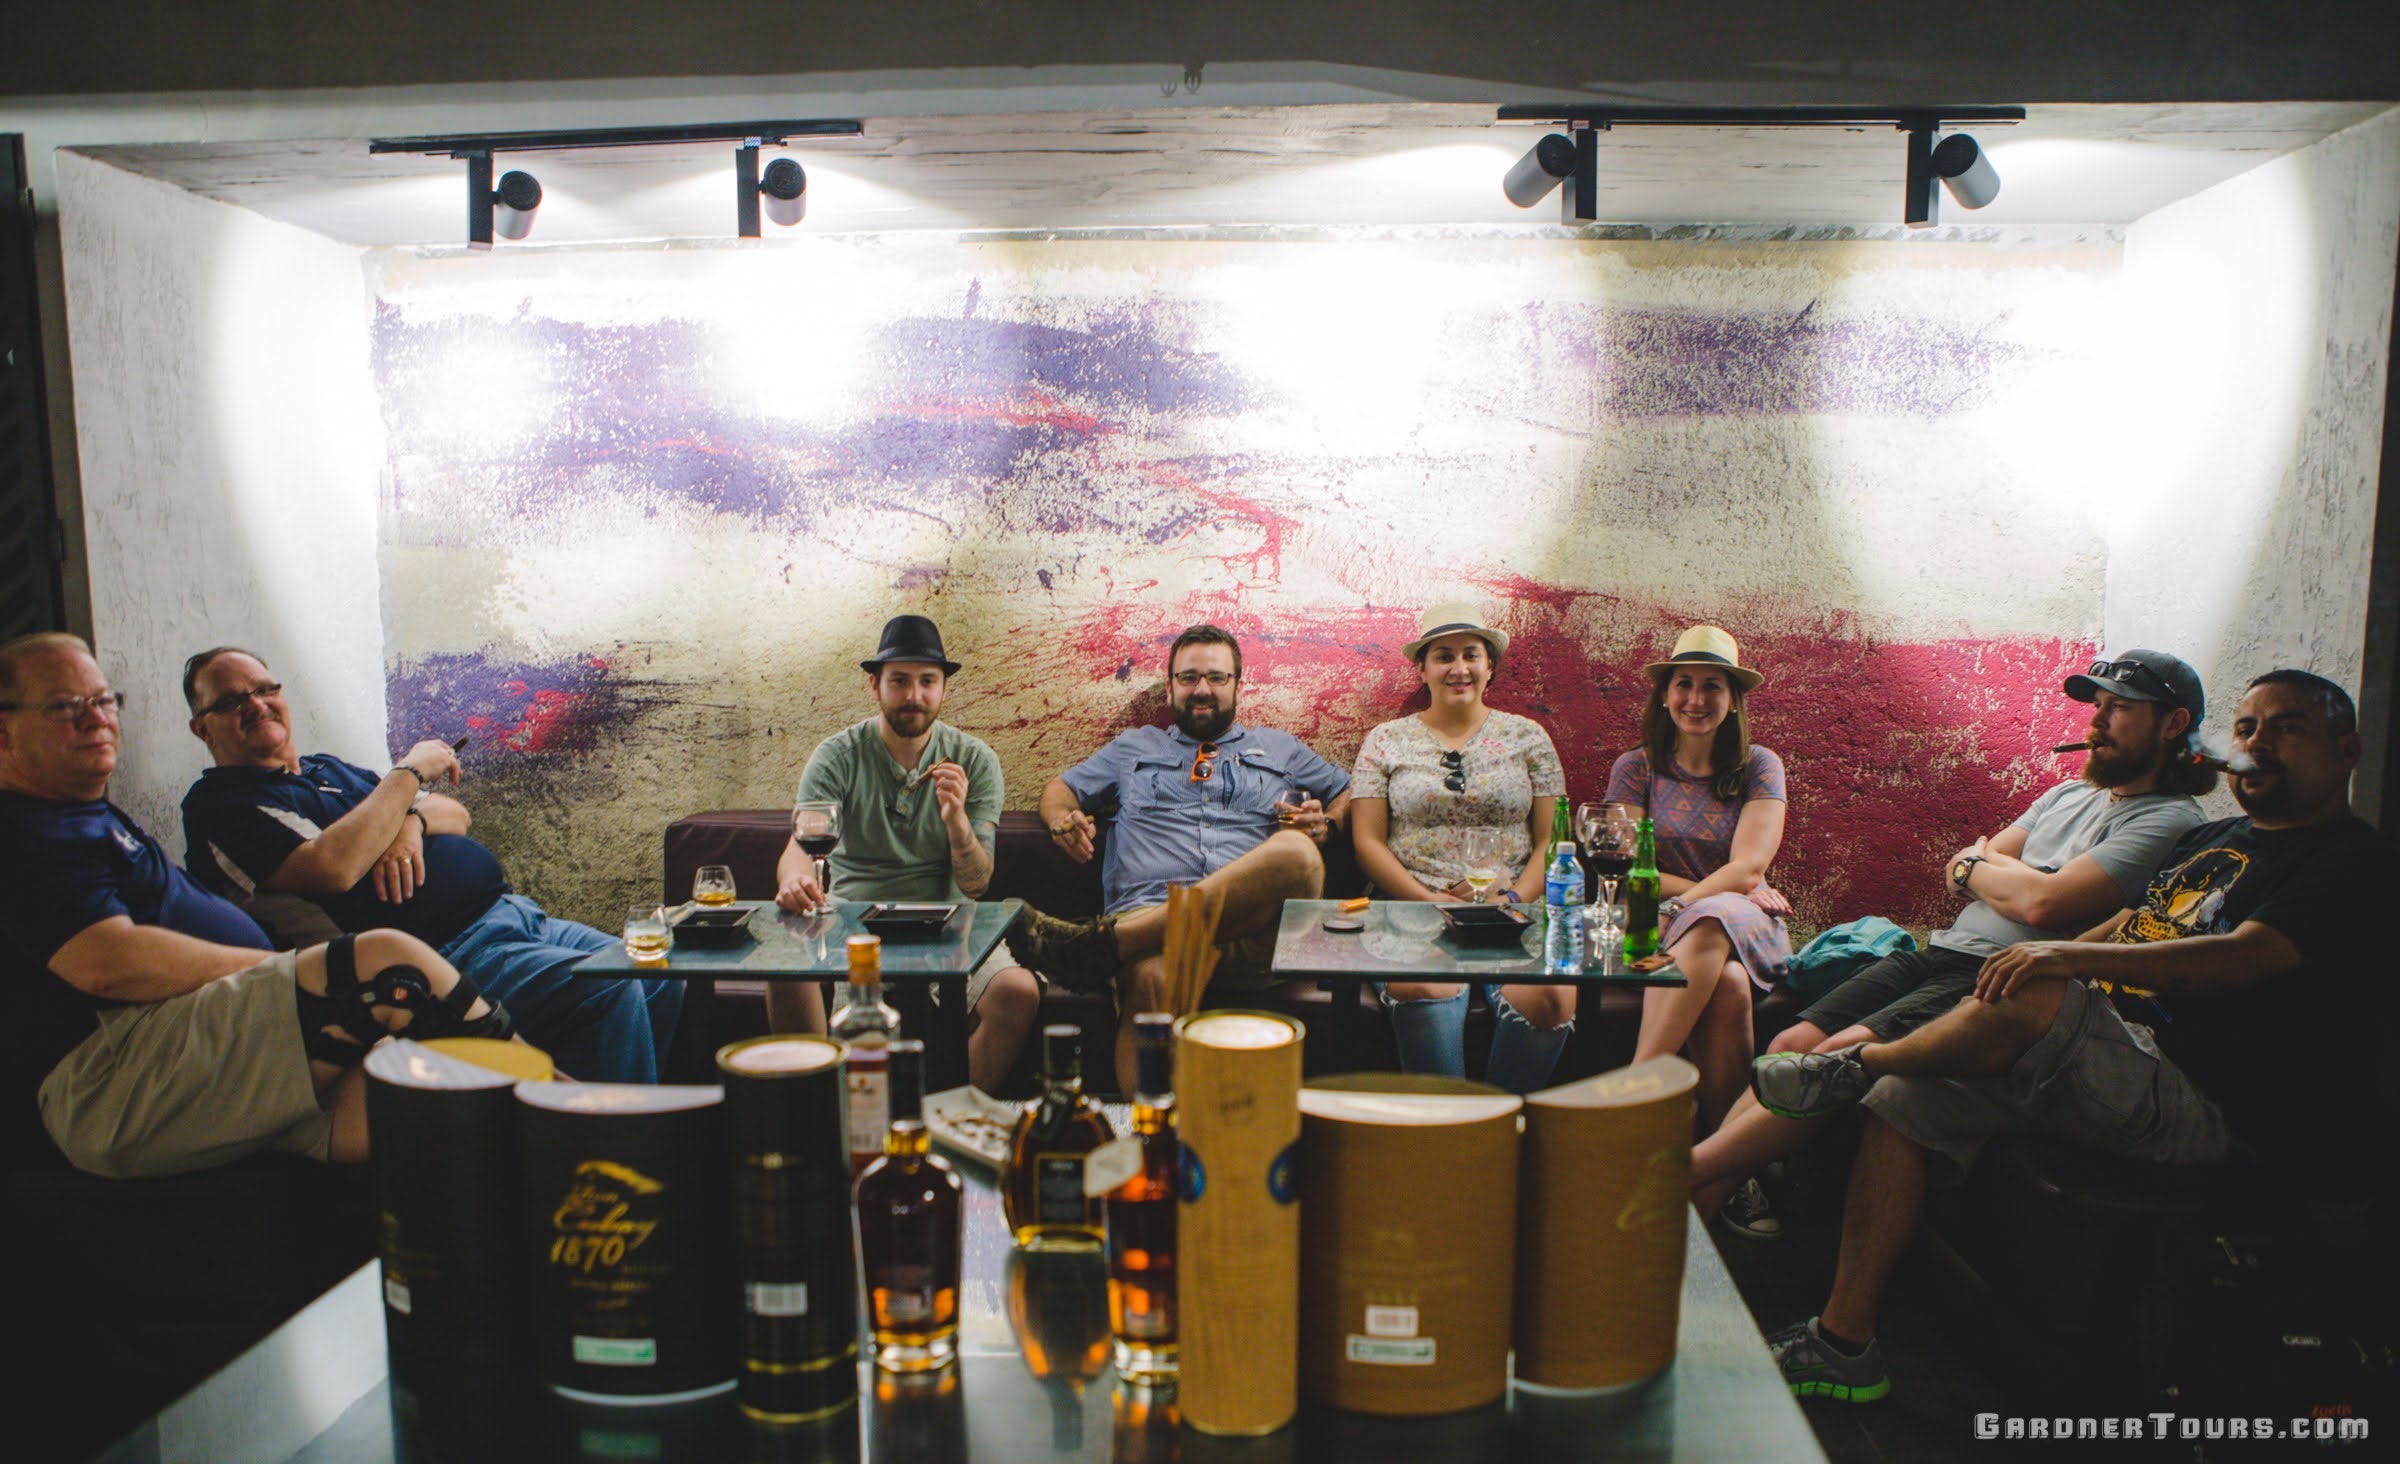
(1562,824)
(1641,896)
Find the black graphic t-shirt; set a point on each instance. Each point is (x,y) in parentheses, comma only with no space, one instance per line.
(2290,1061)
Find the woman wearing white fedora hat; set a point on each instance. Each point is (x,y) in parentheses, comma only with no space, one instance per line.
(1716,802)
(1425,786)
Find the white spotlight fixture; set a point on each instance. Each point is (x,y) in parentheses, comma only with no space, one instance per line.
(513,204)
(783,186)
(1966,170)
(1548,164)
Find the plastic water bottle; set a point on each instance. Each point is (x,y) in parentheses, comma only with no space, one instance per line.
(1562,905)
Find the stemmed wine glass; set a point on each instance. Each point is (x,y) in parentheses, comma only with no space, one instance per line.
(1609,835)
(1483,862)
(817,829)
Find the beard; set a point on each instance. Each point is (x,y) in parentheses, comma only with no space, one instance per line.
(1204,724)
(2114,767)
(908,721)
(2272,798)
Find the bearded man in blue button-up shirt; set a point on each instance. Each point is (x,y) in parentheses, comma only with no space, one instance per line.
(1207,802)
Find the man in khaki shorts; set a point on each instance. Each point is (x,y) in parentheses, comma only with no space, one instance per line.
(920,803)
(147,1019)
(1206,802)
(2233,1010)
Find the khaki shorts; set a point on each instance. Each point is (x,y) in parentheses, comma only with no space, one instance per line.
(193,1081)
(1245,963)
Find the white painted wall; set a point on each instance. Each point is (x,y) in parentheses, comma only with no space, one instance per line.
(230,450)
(2259,318)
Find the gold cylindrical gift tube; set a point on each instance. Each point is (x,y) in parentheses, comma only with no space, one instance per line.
(790,1165)
(1407,1237)
(1606,1183)
(445,1162)
(631,1236)
(1237,1079)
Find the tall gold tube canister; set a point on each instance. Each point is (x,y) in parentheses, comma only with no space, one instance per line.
(1606,1180)
(1237,1079)
(1407,1237)
(790,1169)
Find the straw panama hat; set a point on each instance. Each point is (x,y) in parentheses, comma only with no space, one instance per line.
(1450,618)
(1706,645)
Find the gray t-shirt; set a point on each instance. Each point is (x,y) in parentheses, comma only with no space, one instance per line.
(2126,837)
(893,845)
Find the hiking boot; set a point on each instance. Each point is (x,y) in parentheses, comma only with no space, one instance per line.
(1813,1368)
(1809,1084)
(1746,1213)
(1080,955)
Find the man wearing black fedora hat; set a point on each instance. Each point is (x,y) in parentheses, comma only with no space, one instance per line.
(920,807)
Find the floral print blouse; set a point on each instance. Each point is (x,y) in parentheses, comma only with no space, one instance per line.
(1508,764)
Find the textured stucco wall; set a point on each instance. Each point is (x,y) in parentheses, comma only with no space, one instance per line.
(648,508)
(2260,323)
(230,450)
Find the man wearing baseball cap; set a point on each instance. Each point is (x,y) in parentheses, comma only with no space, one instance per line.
(920,810)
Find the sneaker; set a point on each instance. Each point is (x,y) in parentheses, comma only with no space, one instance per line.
(1813,1369)
(1809,1084)
(1746,1213)
(1080,955)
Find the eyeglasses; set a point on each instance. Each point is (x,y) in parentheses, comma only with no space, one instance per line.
(2135,675)
(1217,680)
(1204,763)
(1456,763)
(232,699)
(104,705)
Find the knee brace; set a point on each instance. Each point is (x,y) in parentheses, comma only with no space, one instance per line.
(339,1026)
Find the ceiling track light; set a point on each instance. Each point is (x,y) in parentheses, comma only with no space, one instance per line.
(1958,163)
(506,211)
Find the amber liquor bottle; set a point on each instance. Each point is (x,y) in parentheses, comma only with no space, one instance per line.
(1041,1193)
(865,1024)
(1141,1215)
(909,1231)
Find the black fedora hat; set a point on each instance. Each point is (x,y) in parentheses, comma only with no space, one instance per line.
(910,638)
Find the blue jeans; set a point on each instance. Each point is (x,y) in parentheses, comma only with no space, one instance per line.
(1432,1038)
(598,1030)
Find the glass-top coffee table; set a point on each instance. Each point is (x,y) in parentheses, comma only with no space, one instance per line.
(1398,945)
(788,947)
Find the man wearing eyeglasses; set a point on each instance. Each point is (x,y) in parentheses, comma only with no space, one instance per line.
(152,1024)
(2239,1008)
(920,803)
(1206,801)
(313,842)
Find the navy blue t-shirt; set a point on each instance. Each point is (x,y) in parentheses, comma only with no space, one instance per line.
(71,866)
(240,824)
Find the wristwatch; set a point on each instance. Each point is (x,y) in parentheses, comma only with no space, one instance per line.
(1963,870)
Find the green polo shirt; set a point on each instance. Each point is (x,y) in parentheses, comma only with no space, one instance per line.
(894,847)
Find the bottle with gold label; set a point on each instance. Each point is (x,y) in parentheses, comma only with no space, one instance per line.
(1141,1215)
(865,1025)
(1041,1191)
(909,1231)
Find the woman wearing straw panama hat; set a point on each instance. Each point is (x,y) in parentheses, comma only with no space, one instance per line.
(1716,802)
(1431,792)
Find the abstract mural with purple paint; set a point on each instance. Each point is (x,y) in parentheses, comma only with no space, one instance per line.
(643,522)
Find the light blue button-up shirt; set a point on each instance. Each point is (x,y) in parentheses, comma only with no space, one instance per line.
(1170,830)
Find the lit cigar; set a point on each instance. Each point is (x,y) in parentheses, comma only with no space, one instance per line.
(2232,765)
(2071,747)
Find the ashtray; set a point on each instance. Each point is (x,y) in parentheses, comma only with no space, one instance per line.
(714,927)
(1486,925)
(908,922)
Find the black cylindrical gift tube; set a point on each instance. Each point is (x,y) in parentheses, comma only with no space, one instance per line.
(445,1163)
(631,1239)
(790,1164)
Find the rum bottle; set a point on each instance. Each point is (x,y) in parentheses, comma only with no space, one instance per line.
(909,1231)
(1141,1215)
(1041,1191)
(865,1025)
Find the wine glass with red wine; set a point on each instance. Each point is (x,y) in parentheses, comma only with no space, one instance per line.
(817,829)
(1609,834)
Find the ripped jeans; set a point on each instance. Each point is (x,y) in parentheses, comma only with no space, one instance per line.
(1431,1036)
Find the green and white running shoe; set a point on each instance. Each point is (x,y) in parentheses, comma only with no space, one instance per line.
(1813,1369)
(1809,1084)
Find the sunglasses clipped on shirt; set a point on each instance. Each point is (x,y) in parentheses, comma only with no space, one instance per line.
(1204,763)
(1455,765)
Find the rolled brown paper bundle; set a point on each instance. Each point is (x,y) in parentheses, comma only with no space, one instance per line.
(445,1174)
(1407,1241)
(630,1230)
(1604,1185)
(789,1163)
(1237,1082)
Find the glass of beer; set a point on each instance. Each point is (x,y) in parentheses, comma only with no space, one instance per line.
(713,885)
(647,937)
